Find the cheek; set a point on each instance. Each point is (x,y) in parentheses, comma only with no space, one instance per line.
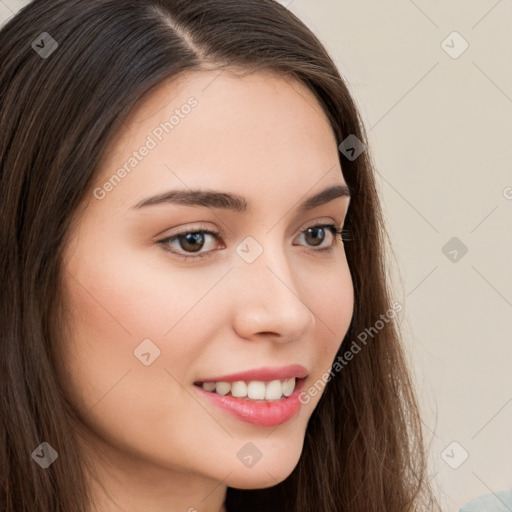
(132,294)
(332,301)
(114,305)
(331,298)
(118,300)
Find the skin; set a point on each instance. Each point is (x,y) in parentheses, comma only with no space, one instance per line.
(152,443)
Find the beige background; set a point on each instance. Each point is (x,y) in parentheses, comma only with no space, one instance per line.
(440,133)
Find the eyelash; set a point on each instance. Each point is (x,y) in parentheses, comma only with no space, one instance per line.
(333,228)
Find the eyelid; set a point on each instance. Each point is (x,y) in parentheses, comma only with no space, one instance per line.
(204,226)
(192,228)
(325,220)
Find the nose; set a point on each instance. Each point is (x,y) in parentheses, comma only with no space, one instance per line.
(269,301)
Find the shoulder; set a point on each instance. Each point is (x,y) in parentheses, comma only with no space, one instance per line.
(498,502)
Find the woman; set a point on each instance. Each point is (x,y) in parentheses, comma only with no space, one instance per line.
(259,370)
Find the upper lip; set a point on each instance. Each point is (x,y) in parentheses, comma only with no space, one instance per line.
(263,374)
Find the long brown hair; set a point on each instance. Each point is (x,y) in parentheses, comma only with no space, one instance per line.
(363,449)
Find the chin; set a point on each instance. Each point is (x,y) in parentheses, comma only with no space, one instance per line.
(260,480)
(265,473)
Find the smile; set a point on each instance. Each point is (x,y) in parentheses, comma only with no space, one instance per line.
(264,404)
(252,390)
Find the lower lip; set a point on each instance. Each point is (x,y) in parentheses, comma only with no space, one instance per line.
(260,413)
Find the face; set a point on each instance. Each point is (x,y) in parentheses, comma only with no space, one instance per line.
(159,309)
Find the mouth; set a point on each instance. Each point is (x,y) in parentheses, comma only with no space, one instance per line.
(260,403)
(254,390)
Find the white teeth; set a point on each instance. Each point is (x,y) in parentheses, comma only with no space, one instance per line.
(256,390)
(273,390)
(253,390)
(209,386)
(239,389)
(222,388)
(288,386)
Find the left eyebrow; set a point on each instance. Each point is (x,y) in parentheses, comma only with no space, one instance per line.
(237,203)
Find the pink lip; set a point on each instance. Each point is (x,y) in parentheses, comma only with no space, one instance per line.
(263,374)
(258,412)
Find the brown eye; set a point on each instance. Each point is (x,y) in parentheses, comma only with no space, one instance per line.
(315,235)
(191,241)
(186,243)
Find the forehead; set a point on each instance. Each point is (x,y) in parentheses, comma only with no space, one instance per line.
(225,87)
(258,131)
